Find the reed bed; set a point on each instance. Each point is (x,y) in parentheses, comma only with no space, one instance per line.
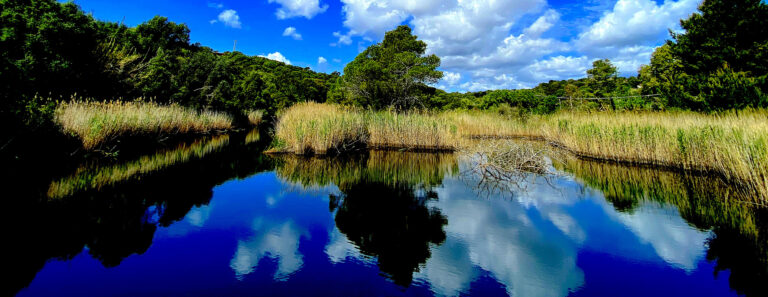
(317,128)
(733,145)
(97,123)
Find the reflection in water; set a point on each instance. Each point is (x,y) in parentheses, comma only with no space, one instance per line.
(278,241)
(335,226)
(382,207)
(115,214)
(96,176)
(739,239)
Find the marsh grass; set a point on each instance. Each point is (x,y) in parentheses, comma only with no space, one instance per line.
(732,145)
(97,123)
(316,128)
(255,116)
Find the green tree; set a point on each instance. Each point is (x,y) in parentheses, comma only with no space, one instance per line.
(726,36)
(391,72)
(602,79)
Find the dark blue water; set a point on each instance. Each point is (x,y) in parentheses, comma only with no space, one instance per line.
(229,220)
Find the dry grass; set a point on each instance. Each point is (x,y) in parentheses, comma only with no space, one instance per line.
(255,116)
(323,128)
(733,145)
(96,123)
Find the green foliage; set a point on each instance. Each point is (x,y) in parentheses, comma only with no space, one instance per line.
(725,32)
(55,50)
(601,79)
(727,88)
(391,73)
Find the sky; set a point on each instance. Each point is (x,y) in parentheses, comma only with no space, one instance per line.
(483,44)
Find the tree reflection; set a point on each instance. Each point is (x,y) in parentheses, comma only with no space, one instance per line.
(382,207)
(119,218)
(391,223)
(739,240)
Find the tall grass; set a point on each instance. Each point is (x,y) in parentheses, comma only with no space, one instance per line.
(733,145)
(255,116)
(323,128)
(96,123)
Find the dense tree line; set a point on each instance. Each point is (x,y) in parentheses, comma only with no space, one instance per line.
(720,61)
(53,51)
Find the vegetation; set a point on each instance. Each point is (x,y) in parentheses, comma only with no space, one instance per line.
(308,128)
(55,50)
(390,74)
(97,123)
(719,61)
(732,144)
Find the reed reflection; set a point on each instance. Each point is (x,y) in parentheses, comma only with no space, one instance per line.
(115,209)
(739,230)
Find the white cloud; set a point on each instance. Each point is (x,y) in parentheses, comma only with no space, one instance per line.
(299,8)
(451,78)
(336,60)
(487,42)
(291,32)
(216,5)
(277,56)
(230,18)
(321,60)
(344,39)
(542,24)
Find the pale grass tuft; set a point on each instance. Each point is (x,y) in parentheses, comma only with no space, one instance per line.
(96,123)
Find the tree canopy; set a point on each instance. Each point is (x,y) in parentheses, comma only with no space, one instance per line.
(392,72)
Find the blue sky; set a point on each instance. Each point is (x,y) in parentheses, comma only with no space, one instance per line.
(484,44)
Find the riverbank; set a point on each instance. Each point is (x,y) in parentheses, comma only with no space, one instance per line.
(733,145)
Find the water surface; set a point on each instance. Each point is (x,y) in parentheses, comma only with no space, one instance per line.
(217,217)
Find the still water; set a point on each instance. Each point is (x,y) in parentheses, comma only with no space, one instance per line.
(217,217)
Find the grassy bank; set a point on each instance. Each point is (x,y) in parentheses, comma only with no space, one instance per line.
(97,123)
(733,145)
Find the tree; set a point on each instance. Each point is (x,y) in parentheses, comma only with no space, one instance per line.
(391,72)
(727,36)
(602,79)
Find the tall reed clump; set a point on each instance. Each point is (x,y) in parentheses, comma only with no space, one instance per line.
(411,130)
(323,128)
(319,128)
(255,116)
(96,123)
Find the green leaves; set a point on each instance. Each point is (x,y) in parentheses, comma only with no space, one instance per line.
(392,73)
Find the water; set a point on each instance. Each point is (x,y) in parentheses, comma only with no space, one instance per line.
(217,217)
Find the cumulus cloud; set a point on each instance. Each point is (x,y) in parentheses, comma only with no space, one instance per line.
(299,8)
(277,56)
(505,44)
(229,18)
(322,60)
(291,32)
(451,78)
